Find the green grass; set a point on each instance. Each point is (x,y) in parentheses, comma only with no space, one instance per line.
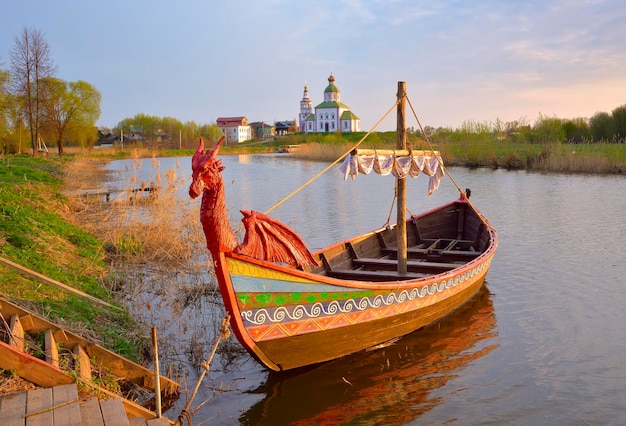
(483,150)
(35,233)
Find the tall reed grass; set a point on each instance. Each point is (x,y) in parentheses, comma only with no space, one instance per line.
(595,158)
(160,264)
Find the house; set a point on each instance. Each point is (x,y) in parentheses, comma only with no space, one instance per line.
(261,130)
(284,127)
(235,129)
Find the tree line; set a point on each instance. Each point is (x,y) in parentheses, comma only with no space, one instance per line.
(159,132)
(36,106)
(601,127)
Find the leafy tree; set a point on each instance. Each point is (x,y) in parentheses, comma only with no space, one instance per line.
(73,106)
(576,130)
(30,65)
(5,79)
(619,120)
(601,127)
(211,132)
(548,130)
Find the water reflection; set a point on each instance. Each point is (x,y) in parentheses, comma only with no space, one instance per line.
(392,385)
(558,301)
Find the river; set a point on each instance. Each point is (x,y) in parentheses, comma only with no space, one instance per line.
(544,342)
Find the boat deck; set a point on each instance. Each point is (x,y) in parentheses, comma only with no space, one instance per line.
(436,243)
(423,260)
(61,406)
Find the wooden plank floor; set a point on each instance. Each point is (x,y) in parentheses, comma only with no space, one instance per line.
(61,406)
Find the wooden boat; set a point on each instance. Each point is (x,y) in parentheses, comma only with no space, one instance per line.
(290,308)
(66,358)
(393,386)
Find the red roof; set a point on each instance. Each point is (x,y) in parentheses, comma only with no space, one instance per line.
(231,121)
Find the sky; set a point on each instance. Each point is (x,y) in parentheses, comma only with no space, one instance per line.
(480,61)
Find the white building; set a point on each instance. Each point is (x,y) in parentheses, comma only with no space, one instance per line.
(235,129)
(330,116)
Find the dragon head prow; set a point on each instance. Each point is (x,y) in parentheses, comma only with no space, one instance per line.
(205,169)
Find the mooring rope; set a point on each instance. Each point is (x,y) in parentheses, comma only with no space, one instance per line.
(440,161)
(206,366)
(307,183)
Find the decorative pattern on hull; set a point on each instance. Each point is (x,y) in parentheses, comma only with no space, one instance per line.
(278,319)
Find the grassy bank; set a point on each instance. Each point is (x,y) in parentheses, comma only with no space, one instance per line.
(37,231)
(597,158)
(468,151)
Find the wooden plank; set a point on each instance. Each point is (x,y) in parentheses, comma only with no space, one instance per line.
(130,370)
(413,265)
(82,364)
(132,408)
(51,349)
(424,253)
(90,412)
(12,409)
(113,412)
(39,401)
(400,152)
(64,413)
(137,421)
(31,368)
(162,421)
(27,322)
(16,338)
(117,364)
(60,336)
(32,274)
(378,276)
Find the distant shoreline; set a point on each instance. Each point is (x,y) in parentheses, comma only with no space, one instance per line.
(596,158)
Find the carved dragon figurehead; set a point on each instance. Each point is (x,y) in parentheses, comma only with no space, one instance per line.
(265,239)
(207,180)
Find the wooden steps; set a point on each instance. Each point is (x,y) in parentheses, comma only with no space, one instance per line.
(64,356)
(61,406)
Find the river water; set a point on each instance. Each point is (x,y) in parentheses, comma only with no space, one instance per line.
(544,342)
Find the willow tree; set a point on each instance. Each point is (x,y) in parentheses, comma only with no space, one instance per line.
(30,65)
(5,79)
(70,105)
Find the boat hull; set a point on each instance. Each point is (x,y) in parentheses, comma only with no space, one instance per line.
(331,343)
(289,318)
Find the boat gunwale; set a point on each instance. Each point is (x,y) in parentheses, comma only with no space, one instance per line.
(377,285)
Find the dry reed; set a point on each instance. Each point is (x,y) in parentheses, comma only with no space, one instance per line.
(144,227)
(159,259)
(321,152)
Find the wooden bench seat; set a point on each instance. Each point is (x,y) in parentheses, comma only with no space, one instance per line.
(361,275)
(418,266)
(424,253)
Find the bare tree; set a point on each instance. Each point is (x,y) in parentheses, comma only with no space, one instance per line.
(30,66)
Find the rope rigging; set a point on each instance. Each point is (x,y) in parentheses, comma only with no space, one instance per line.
(439,160)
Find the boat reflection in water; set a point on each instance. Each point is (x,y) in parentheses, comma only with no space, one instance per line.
(390,385)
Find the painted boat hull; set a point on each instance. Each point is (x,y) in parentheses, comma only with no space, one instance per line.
(289,318)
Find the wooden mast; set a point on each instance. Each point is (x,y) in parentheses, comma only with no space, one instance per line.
(401,182)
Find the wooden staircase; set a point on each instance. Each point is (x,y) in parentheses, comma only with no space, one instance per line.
(65,358)
(61,406)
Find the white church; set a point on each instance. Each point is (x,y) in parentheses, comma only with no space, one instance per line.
(330,116)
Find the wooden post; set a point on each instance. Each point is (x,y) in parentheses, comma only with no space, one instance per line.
(157,373)
(401,183)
